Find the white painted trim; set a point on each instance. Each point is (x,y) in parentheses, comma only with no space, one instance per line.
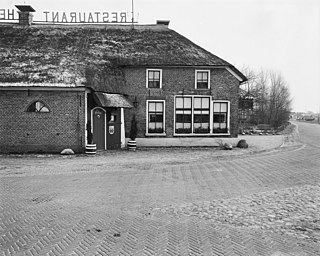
(228,115)
(200,134)
(211,116)
(85,117)
(234,74)
(147,72)
(105,125)
(195,78)
(192,115)
(155,134)
(122,130)
(31,88)
(164,118)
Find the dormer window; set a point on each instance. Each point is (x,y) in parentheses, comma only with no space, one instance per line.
(154,78)
(202,79)
(38,106)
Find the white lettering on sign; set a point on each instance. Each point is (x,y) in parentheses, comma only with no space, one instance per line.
(82,17)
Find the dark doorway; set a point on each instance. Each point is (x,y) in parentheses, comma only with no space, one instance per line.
(113,128)
(99,127)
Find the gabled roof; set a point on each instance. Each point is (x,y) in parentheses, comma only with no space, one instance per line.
(81,54)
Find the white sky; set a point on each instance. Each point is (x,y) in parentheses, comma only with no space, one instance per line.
(279,35)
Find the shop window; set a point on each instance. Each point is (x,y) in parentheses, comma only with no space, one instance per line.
(202,79)
(183,114)
(220,117)
(201,115)
(155,117)
(38,106)
(192,115)
(154,78)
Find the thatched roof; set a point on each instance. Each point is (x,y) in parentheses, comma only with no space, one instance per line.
(93,54)
(111,100)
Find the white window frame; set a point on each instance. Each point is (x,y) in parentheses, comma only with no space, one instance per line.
(147,78)
(40,110)
(164,118)
(192,116)
(196,76)
(228,116)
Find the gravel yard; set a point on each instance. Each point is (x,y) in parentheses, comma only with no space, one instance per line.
(292,211)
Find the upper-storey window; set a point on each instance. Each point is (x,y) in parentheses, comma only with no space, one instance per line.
(202,79)
(154,78)
(38,106)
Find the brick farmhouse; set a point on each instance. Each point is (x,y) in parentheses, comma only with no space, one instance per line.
(64,86)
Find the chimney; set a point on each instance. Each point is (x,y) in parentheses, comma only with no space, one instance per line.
(163,22)
(25,14)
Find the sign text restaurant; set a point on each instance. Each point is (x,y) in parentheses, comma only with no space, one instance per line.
(73,17)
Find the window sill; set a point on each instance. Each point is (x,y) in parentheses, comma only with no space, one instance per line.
(155,134)
(200,134)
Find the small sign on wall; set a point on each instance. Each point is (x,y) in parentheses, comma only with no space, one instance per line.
(111,129)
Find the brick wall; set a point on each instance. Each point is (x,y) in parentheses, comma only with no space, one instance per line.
(224,86)
(22,131)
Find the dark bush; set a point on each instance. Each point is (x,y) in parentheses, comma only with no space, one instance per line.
(134,128)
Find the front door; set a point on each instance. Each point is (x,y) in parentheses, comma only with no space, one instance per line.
(114,128)
(99,127)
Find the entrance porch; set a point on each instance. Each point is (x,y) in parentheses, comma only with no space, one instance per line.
(105,120)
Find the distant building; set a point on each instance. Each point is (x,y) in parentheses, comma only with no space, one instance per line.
(246,108)
(69,85)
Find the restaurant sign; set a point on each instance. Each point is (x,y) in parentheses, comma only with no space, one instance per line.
(72,17)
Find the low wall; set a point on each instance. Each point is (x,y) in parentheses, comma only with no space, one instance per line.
(264,142)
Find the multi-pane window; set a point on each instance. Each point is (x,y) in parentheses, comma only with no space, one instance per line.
(220,117)
(202,79)
(198,115)
(183,115)
(201,115)
(38,106)
(154,78)
(155,116)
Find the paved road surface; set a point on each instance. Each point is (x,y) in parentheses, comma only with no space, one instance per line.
(161,202)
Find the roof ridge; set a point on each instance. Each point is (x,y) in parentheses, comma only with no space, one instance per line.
(104,26)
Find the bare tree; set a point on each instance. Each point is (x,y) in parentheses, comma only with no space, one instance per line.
(279,100)
(271,96)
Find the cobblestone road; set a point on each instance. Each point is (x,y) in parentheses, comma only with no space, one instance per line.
(193,203)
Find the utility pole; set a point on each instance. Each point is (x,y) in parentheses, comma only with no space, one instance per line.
(132,14)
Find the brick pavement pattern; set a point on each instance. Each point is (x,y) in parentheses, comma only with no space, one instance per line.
(162,202)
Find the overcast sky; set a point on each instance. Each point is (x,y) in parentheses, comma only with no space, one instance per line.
(278,35)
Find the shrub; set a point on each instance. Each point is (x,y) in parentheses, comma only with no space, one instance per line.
(134,128)
(227,146)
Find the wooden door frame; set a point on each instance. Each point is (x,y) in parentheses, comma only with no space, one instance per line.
(105,124)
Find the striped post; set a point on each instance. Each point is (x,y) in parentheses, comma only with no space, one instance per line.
(132,145)
(91,149)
